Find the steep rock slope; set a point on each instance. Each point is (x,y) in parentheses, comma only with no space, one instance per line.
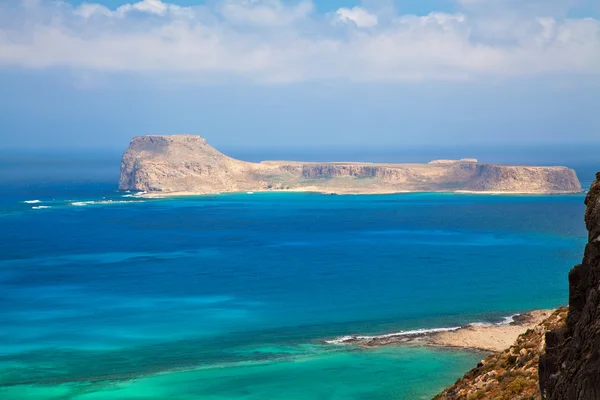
(570,369)
(178,163)
(510,375)
(187,164)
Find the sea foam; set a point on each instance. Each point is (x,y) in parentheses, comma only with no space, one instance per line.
(81,203)
(505,321)
(418,332)
(91,202)
(414,332)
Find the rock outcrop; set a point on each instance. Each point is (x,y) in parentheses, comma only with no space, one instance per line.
(511,374)
(187,164)
(570,369)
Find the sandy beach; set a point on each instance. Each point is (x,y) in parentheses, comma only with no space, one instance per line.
(493,338)
(484,337)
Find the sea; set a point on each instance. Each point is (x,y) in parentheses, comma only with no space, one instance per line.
(105,295)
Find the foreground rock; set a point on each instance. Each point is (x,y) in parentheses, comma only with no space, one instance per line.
(570,369)
(186,164)
(511,374)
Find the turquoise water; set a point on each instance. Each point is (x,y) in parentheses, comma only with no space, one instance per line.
(105,296)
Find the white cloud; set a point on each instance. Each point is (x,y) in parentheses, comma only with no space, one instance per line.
(86,10)
(272,41)
(358,16)
(263,12)
(156,7)
(148,6)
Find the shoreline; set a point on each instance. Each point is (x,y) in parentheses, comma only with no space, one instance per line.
(152,195)
(484,337)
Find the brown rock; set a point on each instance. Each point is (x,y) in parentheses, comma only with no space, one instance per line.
(523,352)
(511,374)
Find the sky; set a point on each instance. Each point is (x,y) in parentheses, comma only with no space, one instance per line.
(311,74)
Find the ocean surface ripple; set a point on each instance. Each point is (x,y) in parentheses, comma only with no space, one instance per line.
(230,296)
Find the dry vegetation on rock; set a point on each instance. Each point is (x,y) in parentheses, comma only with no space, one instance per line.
(511,374)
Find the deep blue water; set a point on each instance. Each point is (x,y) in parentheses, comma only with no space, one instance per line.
(102,288)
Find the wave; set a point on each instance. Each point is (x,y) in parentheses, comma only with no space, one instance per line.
(81,203)
(40,207)
(505,321)
(118,201)
(418,332)
(32,201)
(414,332)
(140,195)
(91,202)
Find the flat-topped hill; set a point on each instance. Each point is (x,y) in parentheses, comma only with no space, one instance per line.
(186,164)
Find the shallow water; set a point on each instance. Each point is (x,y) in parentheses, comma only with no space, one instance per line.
(105,296)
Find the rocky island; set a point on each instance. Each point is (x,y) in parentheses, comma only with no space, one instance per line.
(186,164)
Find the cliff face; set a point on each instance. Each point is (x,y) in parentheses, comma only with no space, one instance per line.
(515,178)
(177,164)
(186,163)
(570,369)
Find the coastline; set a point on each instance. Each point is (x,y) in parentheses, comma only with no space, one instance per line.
(485,337)
(349,192)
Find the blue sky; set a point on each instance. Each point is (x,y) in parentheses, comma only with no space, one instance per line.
(271,73)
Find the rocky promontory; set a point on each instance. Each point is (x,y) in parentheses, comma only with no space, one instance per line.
(186,164)
(511,374)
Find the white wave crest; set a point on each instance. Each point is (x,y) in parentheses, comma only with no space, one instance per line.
(418,332)
(81,203)
(90,202)
(415,332)
(505,321)
(118,201)
(134,194)
(32,201)
(39,207)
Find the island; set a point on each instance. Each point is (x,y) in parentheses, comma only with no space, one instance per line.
(188,165)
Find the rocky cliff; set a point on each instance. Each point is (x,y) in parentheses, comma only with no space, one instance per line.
(570,369)
(187,164)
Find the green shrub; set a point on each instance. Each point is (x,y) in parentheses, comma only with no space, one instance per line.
(518,385)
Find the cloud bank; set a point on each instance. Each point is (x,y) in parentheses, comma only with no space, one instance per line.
(270,41)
